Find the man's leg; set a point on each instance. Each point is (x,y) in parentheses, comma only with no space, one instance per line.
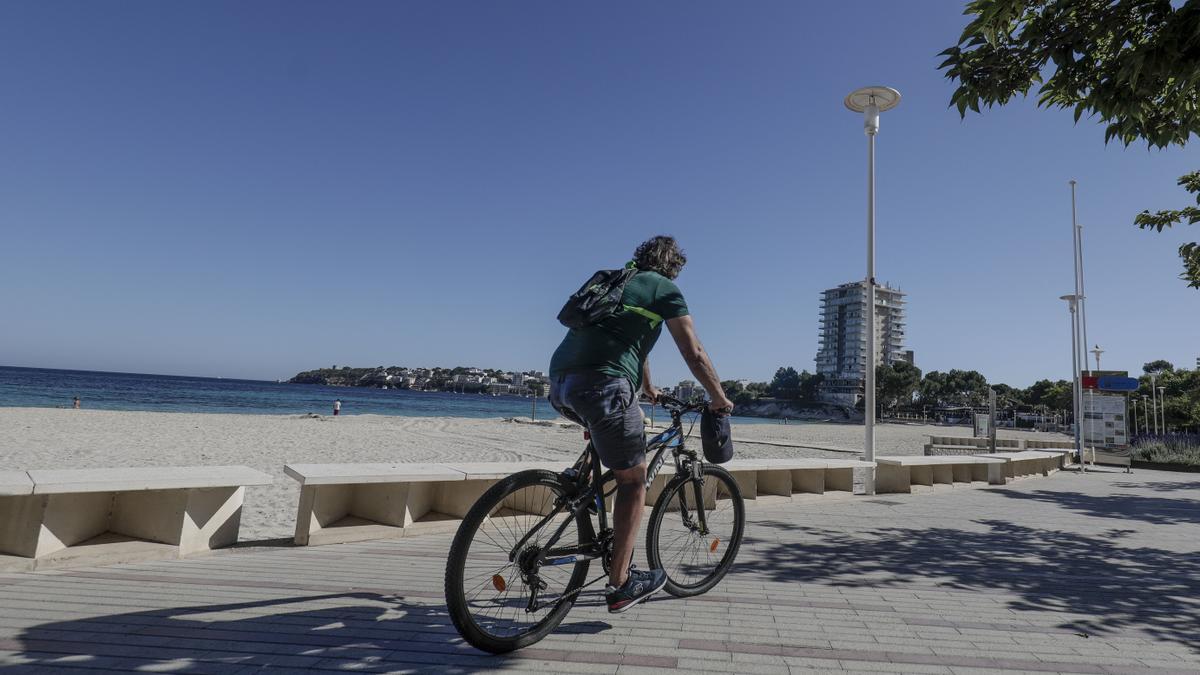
(614,420)
(627,517)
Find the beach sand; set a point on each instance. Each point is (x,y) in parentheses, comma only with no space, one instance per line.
(49,438)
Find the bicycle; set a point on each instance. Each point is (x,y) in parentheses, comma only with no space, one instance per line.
(521,556)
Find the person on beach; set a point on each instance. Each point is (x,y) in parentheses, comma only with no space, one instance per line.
(337,407)
(76,405)
(595,376)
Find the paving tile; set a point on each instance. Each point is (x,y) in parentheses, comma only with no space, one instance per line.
(956,581)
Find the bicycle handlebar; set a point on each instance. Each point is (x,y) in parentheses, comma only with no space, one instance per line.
(671,403)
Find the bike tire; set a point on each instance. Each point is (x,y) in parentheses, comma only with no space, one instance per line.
(483,633)
(682,549)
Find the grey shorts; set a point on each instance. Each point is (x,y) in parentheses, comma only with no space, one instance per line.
(607,407)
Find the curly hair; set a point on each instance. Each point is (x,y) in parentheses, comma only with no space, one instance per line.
(660,254)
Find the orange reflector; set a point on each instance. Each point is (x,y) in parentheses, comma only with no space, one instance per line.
(498,582)
(713,547)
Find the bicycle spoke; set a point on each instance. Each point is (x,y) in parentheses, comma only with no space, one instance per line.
(692,559)
(497,591)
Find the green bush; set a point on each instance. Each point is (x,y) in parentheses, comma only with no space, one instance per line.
(1168,453)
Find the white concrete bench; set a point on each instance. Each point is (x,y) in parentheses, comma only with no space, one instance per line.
(1048,444)
(15,488)
(13,483)
(968,445)
(765,481)
(354,502)
(105,516)
(1066,449)
(900,473)
(1063,458)
(1111,457)
(1028,463)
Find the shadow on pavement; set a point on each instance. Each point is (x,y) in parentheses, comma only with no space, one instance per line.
(347,631)
(1115,587)
(1156,510)
(1162,486)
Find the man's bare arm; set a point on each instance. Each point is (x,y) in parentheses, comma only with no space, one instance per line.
(648,389)
(683,330)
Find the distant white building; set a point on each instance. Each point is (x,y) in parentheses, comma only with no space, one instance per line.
(686,390)
(842,354)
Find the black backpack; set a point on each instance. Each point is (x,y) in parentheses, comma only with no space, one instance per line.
(597,299)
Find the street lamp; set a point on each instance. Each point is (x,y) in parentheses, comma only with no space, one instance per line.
(1153,402)
(1095,350)
(1162,407)
(870,101)
(1076,394)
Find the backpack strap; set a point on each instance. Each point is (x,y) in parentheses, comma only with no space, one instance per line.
(655,319)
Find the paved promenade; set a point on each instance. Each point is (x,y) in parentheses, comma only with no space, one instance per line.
(1079,574)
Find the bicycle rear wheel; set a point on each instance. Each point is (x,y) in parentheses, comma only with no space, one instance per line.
(695,555)
(489,595)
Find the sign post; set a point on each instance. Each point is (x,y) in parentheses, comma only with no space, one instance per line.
(1106,421)
(992,420)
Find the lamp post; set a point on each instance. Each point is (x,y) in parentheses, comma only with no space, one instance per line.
(870,101)
(1076,393)
(1077,253)
(1080,319)
(1153,403)
(1095,350)
(1162,407)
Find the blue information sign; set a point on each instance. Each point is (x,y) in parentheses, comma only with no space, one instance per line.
(1117,383)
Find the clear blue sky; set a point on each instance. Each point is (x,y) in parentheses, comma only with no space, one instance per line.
(253,189)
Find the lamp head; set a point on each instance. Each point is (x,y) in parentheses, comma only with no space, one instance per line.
(871,101)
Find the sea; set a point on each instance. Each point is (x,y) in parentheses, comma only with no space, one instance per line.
(50,388)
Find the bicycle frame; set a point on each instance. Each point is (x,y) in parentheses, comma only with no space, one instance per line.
(587,474)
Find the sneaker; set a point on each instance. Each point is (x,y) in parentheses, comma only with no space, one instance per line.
(639,586)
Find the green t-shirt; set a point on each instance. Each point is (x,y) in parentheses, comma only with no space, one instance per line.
(618,345)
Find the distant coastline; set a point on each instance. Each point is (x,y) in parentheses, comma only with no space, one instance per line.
(22,387)
(460,379)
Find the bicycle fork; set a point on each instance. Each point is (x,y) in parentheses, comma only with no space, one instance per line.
(697,481)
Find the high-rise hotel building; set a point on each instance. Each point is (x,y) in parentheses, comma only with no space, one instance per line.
(843,345)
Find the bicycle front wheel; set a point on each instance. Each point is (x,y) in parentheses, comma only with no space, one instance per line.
(695,530)
(499,596)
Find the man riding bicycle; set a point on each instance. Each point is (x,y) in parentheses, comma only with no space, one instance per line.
(595,375)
